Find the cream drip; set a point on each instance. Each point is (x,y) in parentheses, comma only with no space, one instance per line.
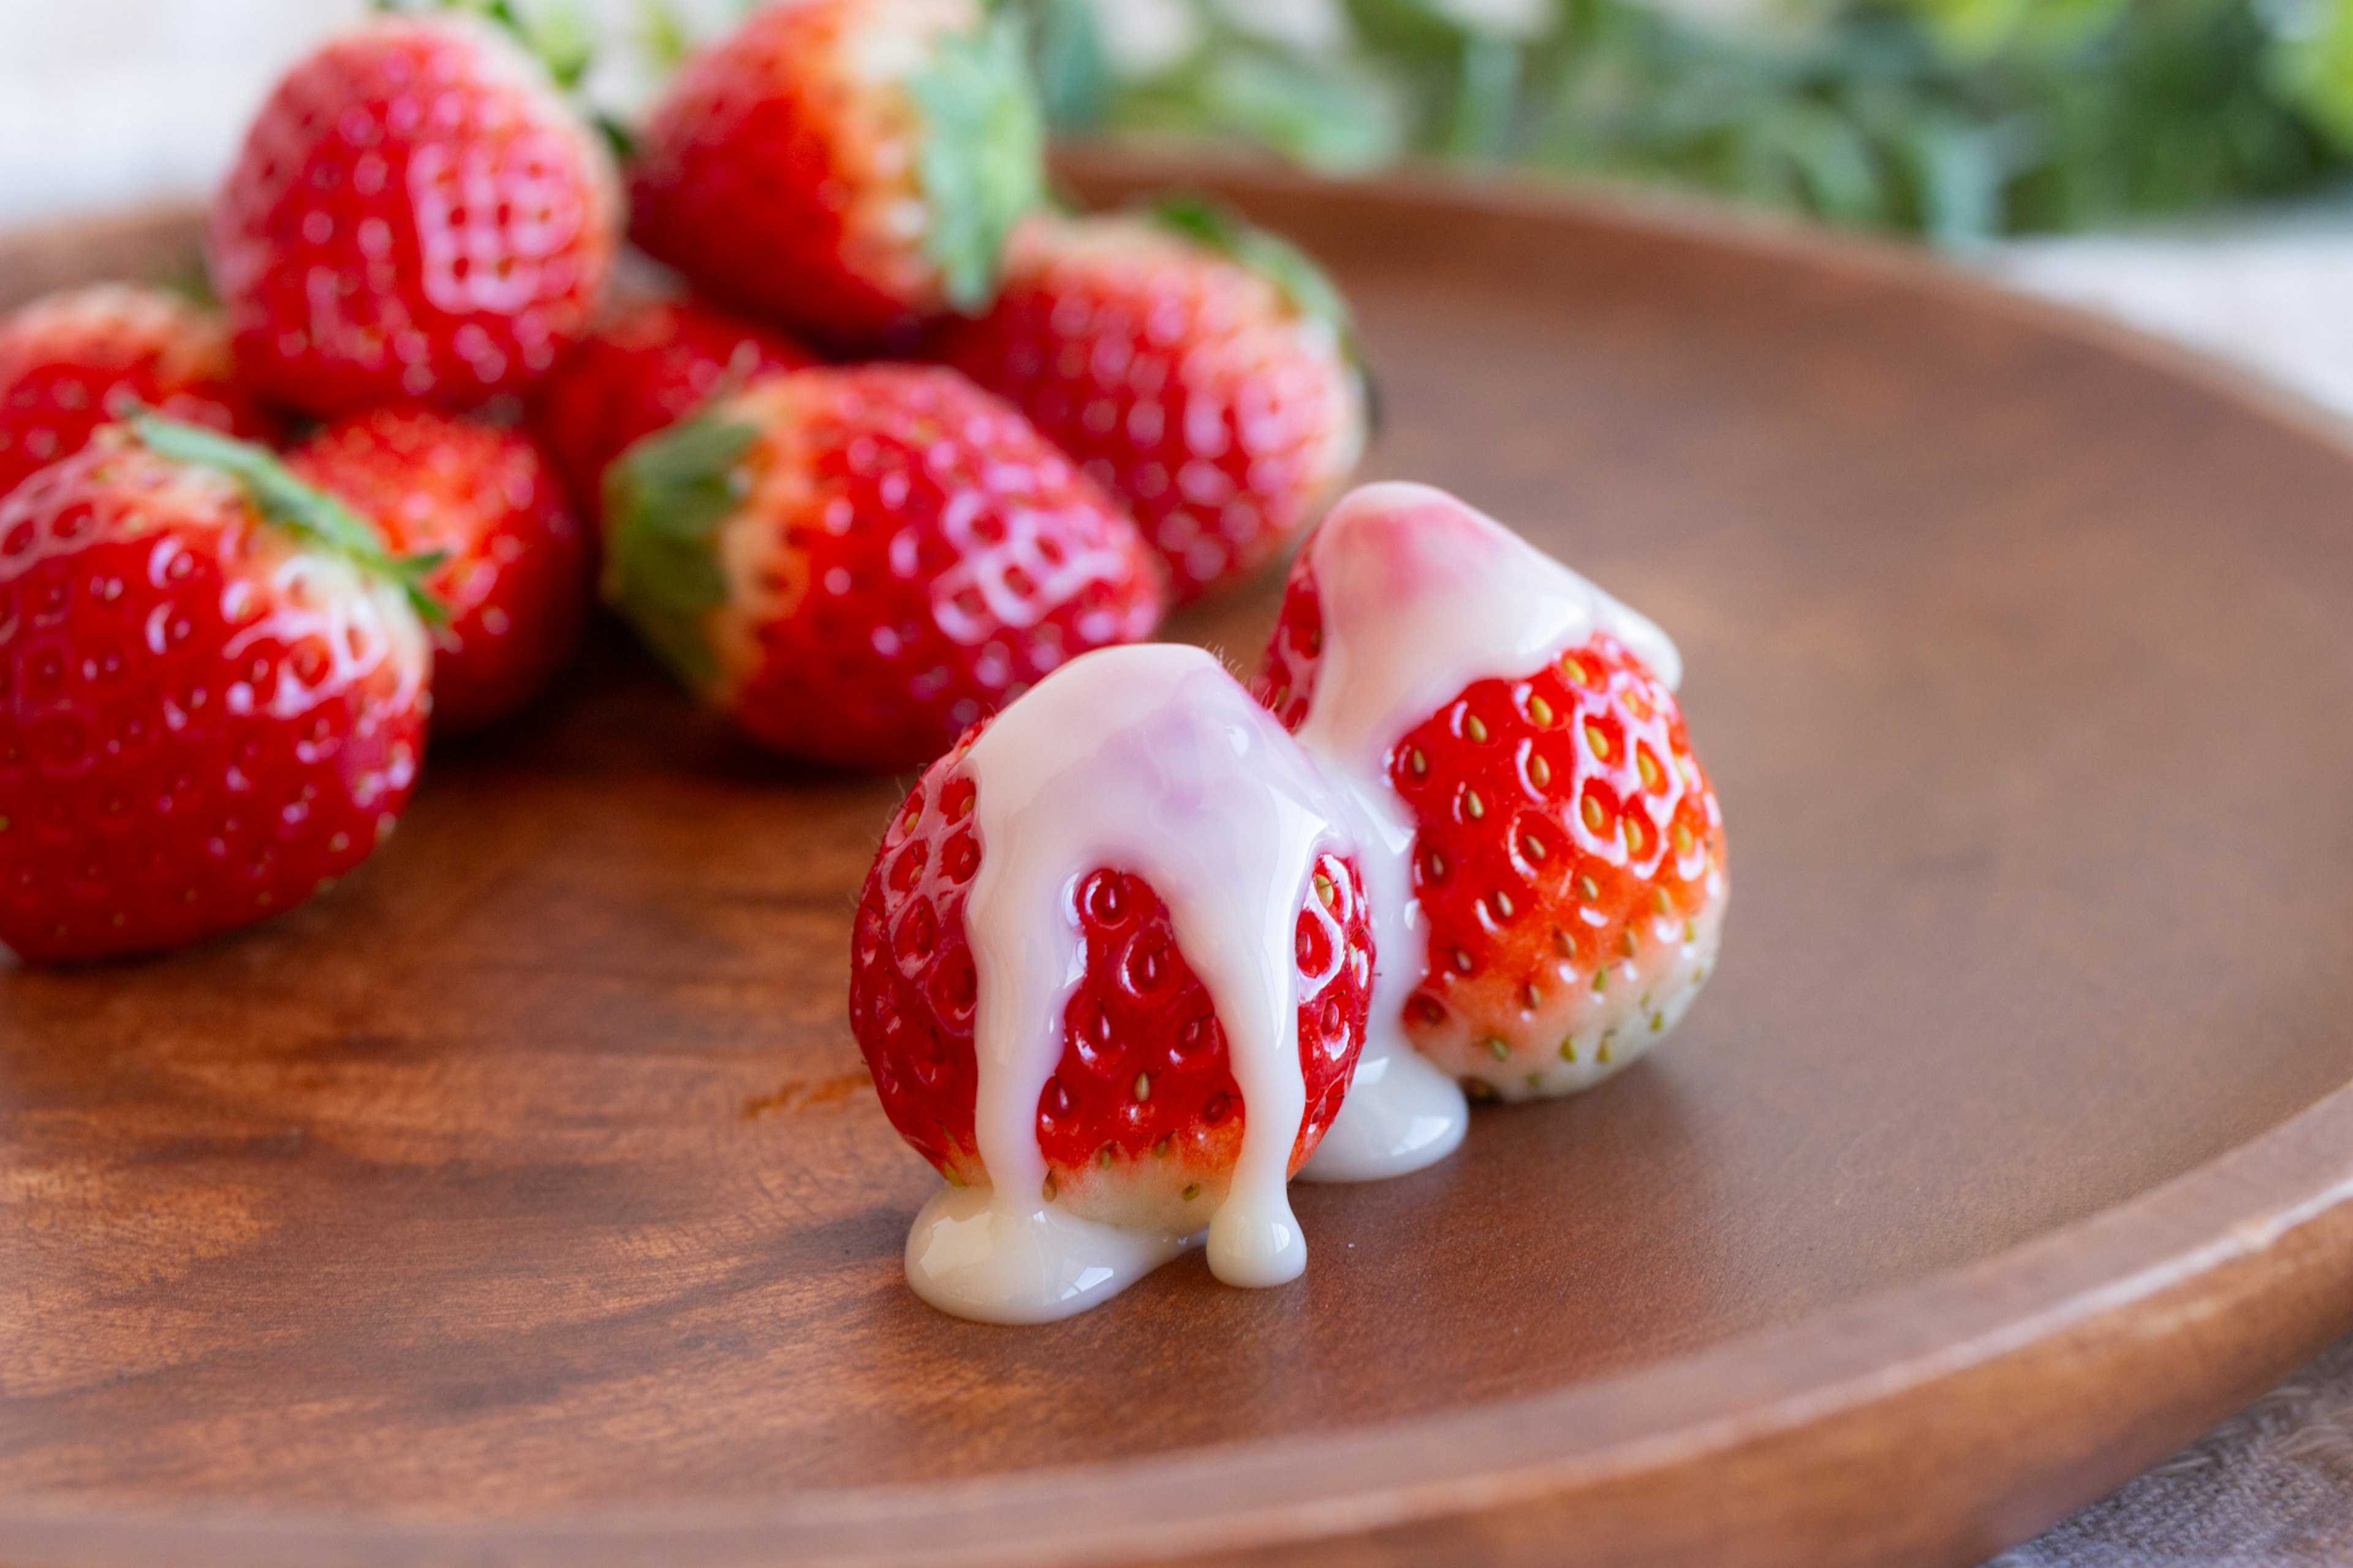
(1420,596)
(1151,759)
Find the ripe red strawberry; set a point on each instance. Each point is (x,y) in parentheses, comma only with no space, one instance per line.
(858,562)
(211,693)
(70,361)
(1568,859)
(649,366)
(416,213)
(1198,368)
(514,567)
(1142,1121)
(846,165)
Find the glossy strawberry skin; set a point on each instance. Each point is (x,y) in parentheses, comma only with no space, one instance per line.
(515,583)
(907,556)
(1184,382)
(1142,1121)
(1568,859)
(788,167)
(415,213)
(70,361)
(650,365)
(200,722)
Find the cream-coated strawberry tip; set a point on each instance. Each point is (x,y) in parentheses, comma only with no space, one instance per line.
(1151,758)
(1549,907)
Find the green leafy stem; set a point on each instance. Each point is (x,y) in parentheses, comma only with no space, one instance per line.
(286,501)
(667,496)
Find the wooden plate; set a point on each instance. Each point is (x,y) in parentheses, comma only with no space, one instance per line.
(521,1201)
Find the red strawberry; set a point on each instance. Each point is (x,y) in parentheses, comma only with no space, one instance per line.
(514,575)
(649,366)
(1141,1122)
(1567,856)
(845,164)
(212,694)
(416,213)
(1198,368)
(858,562)
(70,361)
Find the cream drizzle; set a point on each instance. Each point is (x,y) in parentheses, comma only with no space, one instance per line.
(1420,596)
(1151,759)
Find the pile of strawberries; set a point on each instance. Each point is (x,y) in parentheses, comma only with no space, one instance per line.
(894,442)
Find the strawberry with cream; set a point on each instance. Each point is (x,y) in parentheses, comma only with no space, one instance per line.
(1514,730)
(1110,972)
(1126,948)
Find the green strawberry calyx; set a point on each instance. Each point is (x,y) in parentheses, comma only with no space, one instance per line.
(981,160)
(558,34)
(1303,285)
(665,498)
(309,514)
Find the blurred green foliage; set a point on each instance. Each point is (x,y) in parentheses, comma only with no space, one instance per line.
(1954,117)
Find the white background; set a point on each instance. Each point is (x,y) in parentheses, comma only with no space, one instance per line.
(108,102)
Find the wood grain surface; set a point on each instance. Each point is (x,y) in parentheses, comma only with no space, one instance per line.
(521,1200)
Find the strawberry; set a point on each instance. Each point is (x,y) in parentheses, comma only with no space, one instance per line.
(1142,1121)
(846,165)
(1567,855)
(72,361)
(211,693)
(1200,369)
(649,366)
(514,571)
(415,213)
(858,562)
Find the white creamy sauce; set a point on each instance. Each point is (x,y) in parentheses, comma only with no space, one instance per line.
(1420,597)
(1151,759)
(977,1254)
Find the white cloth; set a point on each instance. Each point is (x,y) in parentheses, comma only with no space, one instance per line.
(2270,1488)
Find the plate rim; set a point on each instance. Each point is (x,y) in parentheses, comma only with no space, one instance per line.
(2264,1227)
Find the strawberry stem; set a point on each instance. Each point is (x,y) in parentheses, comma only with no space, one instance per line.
(981,164)
(557,35)
(1211,223)
(288,502)
(665,499)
